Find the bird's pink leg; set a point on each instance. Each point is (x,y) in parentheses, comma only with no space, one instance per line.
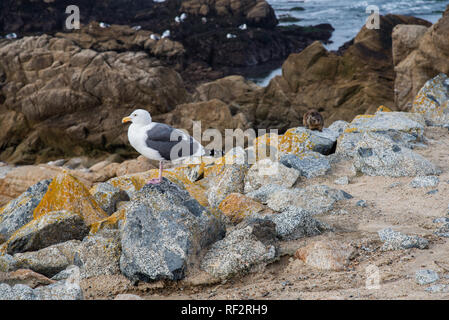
(159,179)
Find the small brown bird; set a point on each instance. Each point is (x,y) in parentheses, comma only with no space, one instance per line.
(313,120)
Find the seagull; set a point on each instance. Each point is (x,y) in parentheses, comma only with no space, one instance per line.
(177,19)
(154,37)
(159,141)
(183,16)
(204,20)
(137,28)
(231,36)
(104,25)
(166,34)
(243,27)
(11,36)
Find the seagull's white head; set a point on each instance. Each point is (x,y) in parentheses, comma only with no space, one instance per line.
(139,117)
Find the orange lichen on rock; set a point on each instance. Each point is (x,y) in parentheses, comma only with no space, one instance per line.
(236,207)
(383,109)
(110,222)
(66,192)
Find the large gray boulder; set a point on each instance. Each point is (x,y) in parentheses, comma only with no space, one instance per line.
(164,231)
(19,212)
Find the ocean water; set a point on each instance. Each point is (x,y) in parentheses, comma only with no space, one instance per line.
(348,16)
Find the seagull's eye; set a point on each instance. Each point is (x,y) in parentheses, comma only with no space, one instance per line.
(134,115)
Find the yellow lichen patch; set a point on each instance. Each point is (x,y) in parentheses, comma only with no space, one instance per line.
(364,116)
(237,206)
(66,192)
(350,130)
(383,109)
(110,222)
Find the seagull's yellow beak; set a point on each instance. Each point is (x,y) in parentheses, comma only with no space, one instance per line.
(126,119)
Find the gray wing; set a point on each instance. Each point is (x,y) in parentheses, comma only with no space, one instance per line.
(168,141)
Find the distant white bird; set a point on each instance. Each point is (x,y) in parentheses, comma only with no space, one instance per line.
(231,36)
(159,141)
(11,36)
(137,28)
(177,19)
(243,27)
(166,34)
(204,20)
(104,25)
(183,16)
(154,37)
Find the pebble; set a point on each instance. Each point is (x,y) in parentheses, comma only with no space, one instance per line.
(342,181)
(361,203)
(426,276)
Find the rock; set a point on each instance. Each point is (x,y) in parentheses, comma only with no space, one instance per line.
(25,277)
(268,172)
(107,196)
(231,180)
(405,40)
(263,193)
(163,231)
(238,207)
(342,181)
(339,126)
(437,288)
(19,211)
(433,101)
(66,192)
(361,203)
(127,296)
(66,273)
(250,244)
(99,255)
(310,164)
(298,141)
(7,263)
(424,182)
(52,228)
(379,156)
(394,240)
(389,121)
(296,223)
(429,59)
(426,276)
(51,260)
(227,89)
(315,199)
(326,255)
